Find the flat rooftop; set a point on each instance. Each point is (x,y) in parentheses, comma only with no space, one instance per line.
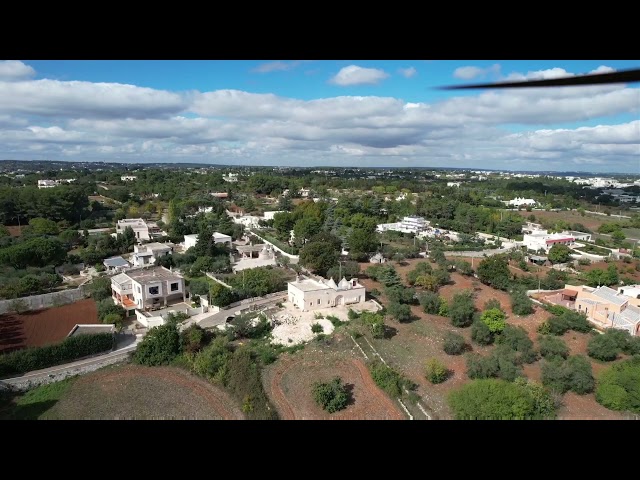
(153,273)
(309,284)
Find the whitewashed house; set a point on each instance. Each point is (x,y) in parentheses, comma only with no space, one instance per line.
(310,294)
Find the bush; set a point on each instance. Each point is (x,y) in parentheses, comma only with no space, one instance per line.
(352,314)
(400,312)
(501,363)
(100,288)
(499,400)
(331,396)
(159,346)
(387,378)
(193,338)
(106,307)
(557,326)
(71,348)
(461,309)
(551,347)
(619,386)
(443,310)
(375,321)
(454,344)
(435,371)
(430,302)
(335,320)
(603,347)
(480,333)
(316,328)
(518,340)
(520,303)
(492,303)
(572,374)
(494,319)
(212,362)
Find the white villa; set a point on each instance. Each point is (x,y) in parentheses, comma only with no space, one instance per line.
(192,239)
(407,225)
(139,226)
(147,289)
(310,294)
(519,202)
(148,253)
(54,183)
(544,241)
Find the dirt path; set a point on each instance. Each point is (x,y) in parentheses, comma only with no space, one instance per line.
(278,396)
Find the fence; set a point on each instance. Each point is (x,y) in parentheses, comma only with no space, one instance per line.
(45,300)
(212,277)
(275,247)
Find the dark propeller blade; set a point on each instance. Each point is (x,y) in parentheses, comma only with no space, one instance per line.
(622,76)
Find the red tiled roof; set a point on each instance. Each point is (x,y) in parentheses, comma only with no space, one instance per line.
(569,293)
(554,240)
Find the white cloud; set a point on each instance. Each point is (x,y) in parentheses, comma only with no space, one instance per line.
(47,119)
(14,70)
(407,72)
(354,75)
(603,69)
(276,66)
(470,72)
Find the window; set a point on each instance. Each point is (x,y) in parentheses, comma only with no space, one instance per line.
(174,287)
(311,304)
(154,290)
(139,291)
(318,301)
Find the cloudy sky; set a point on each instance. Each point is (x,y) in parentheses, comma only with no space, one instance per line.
(312,113)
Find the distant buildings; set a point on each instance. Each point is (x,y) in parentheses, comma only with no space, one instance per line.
(519,202)
(116,264)
(310,294)
(230,177)
(142,230)
(544,241)
(54,183)
(192,239)
(128,178)
(453,184)
(148,253)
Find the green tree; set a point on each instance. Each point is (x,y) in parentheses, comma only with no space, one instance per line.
(159,346)
(319,257)
(401,312)
(551,347)
(430,302)
(618,236)
(100,288)
(603,347)
(461,309)
(222,296)
(375,321)
(521,304)
(361,242)
(494,319)
(480,333)
(619,386)
(305,228)
(494,271)
(331,396)
(517,339)
(559,254)
(42,226)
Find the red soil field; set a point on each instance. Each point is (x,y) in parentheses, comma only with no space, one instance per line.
(44,327)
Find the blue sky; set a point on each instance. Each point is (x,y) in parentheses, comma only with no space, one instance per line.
(333,112)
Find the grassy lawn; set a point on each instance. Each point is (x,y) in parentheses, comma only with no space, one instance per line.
(34,404)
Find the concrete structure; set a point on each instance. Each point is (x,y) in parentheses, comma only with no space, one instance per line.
(96,231)
(632,291)
(128,178)
(544,241)
(147,289)
(407,225)
(607,308)
(148,253)
(253,256)
(90,329)
(453,184)
(116,264)
(304,192)
(230,177)
(192,239)
(220,194)
(582,236)
(531,227)
(47,183)
(310,294)
(519,202)
(139,226)
(378,258)
(270,215)
(249,221)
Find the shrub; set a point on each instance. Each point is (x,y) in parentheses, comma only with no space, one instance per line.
(572,374)
(493,399)
(454,344)
(494,319)
(518,340)
(430,302)
(331,396)
(400,312)
(492,303)
(443,310)
(375,321)
(316,328)
(387,378)
(557,325)
(520,303)
(619,386)
(481,367)
(335,320)
(352,314)
(461,309)
(71,348)
(159,346)
(551,347)
(603,347)
(435,371)
(480,333)
(212,361)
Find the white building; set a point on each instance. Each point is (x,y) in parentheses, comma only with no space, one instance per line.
(230,177)
(453,184)
(147,288)
(148,253)
(582,236)
(191,240)
(47,183)
(269,215)
(248,221)
(519,202)
(309,294)
(407,225)
(128,178)
(544,241)
(116,264)
(632,291)
(304,192)
(139,226)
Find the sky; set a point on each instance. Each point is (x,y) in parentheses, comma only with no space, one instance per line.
(381,113)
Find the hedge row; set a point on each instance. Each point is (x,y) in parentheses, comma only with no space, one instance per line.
(72,348)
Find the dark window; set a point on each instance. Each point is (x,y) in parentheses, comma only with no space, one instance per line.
(174,287)
(154,290)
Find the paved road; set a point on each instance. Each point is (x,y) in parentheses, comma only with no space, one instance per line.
(124,348)
(221,317)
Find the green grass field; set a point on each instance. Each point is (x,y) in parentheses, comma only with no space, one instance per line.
(34,404)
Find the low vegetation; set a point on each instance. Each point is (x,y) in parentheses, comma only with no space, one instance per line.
(619,386)
(331,396)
